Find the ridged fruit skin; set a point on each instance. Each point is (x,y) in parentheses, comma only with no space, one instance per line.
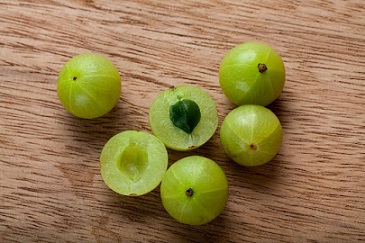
(251,135)
(89,86)
(240,77)
(194,190)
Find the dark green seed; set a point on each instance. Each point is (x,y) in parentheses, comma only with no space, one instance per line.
(185,114)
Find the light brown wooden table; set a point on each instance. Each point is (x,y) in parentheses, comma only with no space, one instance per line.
(50,185)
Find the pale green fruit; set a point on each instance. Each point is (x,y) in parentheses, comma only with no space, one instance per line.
(133,163)
(89,86)
(194,190)
(183,117)
(252,73)
(251,135)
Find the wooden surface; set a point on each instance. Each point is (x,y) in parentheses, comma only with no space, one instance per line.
(50,186)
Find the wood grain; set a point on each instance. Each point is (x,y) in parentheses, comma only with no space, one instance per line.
(51,189)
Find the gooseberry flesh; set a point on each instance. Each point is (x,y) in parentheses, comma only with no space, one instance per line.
(133,163)
(183,117)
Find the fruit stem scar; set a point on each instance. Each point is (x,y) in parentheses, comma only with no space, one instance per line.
(253,146)
(262,67)
(74,78)
(189,192)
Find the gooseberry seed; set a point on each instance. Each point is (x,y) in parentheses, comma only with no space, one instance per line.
(183,117)
(133,163)
(194,190)
(251,135)
(252,73)
(185,114)
(89,86)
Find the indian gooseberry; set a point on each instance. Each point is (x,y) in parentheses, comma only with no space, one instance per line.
(194,190)
(252,73)
(251,135)
(183,117)
(133,163)
(89,86)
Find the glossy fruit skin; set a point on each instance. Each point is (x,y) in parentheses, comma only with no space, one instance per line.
(251,135)
(208,193)
(89,86)
(241,80)
(173,137)
(128,172)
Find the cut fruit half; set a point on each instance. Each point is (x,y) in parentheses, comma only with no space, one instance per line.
(183,117)
(133,163)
